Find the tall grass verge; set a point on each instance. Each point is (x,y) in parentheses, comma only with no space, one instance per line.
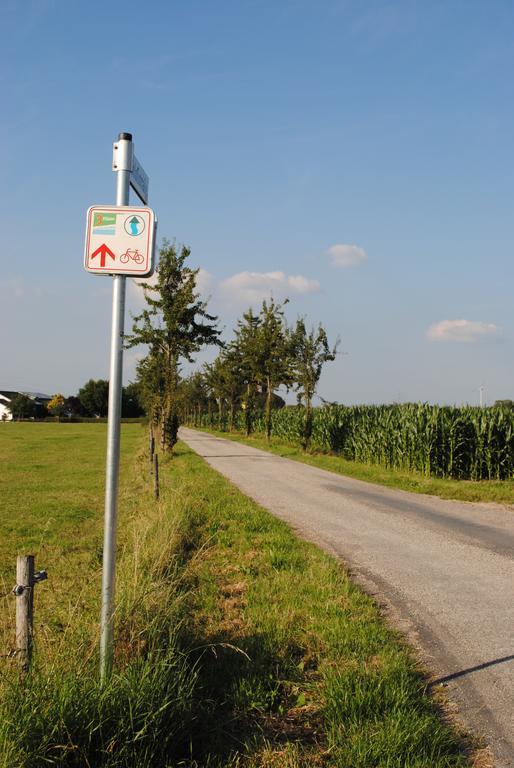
(297,667)
(59,714)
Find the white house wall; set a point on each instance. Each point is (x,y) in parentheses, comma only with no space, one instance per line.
(5,414)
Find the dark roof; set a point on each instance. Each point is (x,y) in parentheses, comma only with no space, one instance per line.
(9,394)
(37,395)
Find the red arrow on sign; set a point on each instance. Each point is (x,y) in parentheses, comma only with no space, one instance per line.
(103,250)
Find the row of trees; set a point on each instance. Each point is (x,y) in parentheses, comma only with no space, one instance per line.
(93,399)
(264,355)
(90,401)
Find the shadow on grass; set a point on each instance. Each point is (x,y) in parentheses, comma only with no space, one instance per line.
(248,697)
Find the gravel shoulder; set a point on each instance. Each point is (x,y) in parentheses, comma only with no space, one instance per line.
(443,568)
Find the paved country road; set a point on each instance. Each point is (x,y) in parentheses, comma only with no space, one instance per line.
(444,569)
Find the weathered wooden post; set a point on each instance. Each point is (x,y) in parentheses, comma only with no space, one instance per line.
(24,591)
(155,476)
(152,444)
(26,579)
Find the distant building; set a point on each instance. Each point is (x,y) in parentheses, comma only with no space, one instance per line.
(7,395)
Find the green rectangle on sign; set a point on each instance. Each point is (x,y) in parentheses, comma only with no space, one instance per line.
(104,219)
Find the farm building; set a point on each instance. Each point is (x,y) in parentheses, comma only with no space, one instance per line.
(7,395)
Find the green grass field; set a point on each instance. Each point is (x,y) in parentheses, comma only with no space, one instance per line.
(51,486)
(236,644)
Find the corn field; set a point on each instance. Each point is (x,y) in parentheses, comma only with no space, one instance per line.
(465,443)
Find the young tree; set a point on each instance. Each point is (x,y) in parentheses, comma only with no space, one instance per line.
(261,359)
(225,382)
(214,378)
(274,359)
(311,351)
(175,325)
(234,385)
(246,360)
(194,397)
(151,384)
(57,406)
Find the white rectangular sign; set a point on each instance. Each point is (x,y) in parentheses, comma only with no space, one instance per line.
(120,240)
(139,180)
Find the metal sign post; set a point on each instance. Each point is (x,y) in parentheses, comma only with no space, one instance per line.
(123,155)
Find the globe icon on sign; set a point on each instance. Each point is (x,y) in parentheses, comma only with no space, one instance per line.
(134,225)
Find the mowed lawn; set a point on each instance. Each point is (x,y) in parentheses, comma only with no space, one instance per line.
(52,493)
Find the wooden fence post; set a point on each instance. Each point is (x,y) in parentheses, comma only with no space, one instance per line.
(152,446)
(24,591)
(155,476)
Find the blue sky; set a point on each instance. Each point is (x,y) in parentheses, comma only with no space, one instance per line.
(356,157)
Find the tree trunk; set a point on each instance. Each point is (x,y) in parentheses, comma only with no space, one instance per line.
(169,417)
(248,411)
(231,417)
(174,424)
(164,428)
(307,427)
(269,393)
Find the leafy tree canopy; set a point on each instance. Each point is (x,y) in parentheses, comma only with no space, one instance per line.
(94,396)
(175,325)
(23,407)
(57,405)
(131,407)
(310,352)
(73,406)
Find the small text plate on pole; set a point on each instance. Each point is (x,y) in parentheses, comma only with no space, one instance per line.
(139,180)
(120,240)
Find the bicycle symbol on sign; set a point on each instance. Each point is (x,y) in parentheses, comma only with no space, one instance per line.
(132,253)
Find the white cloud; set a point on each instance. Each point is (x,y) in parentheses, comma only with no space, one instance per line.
(251,287)
(467,331)
(301,284)
(346,255)
(242,288)
(203,281)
